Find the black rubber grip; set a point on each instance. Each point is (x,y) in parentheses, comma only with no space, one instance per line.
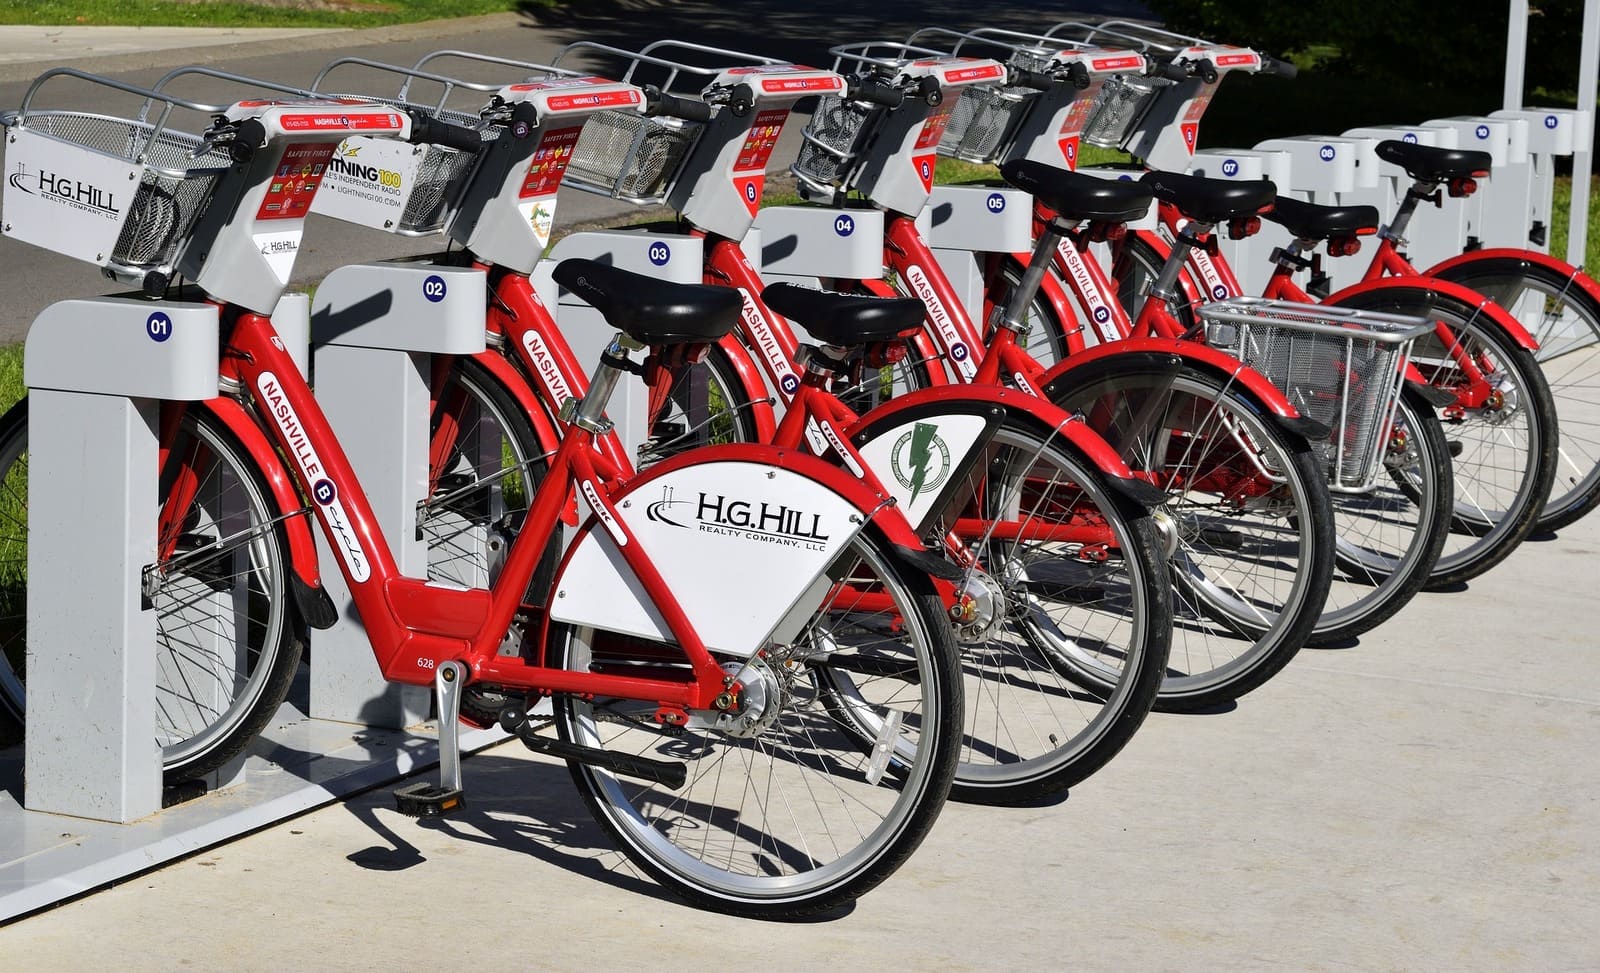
(427,130)
(1023,78)
(874,91)
(1206,70)
(689,109)
(1282,69)
(1172,71)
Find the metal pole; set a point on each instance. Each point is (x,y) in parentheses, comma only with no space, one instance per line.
(1583,157)
(1516,53)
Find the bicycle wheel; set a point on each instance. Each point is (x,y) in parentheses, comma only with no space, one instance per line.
(227,644)
(1247,520)
(1504,449)
(1071,619)
(698,404)
(1565,320)
(1389,538)
(486,464)
(13,562)
(786,816)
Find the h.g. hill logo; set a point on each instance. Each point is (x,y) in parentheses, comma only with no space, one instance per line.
(83,196)
(755,520)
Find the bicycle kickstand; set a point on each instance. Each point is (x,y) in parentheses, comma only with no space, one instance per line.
(428,800)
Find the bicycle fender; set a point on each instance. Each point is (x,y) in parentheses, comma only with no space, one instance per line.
(316,607)
(512,382)
(1501,318)
(1466,261)
(1105,361)
(750,530)
(948,427)
(750,379)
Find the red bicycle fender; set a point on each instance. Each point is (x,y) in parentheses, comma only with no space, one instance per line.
(754,385)
(1269,396)
(1463,261)
(871,503)
(512,381)
(302,546)
(1499,315)
(1045,416)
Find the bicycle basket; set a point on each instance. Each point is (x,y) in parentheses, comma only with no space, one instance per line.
(176,175)
(831,142)
(1121,104)
(1341,367)
(983,122)
(630,156)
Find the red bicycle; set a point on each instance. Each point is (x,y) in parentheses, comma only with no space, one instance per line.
(689,638)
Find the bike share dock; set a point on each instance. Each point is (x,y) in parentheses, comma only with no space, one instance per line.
(92,812)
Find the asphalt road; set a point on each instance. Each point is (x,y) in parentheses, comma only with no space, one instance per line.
(33,278)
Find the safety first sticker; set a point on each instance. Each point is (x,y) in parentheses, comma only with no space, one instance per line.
(537,197)
(294,185)
(750,166)
(932,131)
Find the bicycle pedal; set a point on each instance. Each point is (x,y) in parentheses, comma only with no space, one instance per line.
(1456,448)
(428,800)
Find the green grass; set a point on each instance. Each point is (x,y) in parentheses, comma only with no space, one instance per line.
(341,13)
(1558,229)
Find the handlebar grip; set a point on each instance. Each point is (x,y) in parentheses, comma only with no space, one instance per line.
(1274,66)
(1172,71)
(1206,70)
(1078,75)
(427,130)
(875,92)
(1023,78)
(689,109)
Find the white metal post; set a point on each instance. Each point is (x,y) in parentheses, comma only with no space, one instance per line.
(1516,53)
(1583,157)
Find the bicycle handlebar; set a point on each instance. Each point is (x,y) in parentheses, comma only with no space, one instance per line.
(1274,66)
(658,102)
(874,91)
(426,129)
(1172,71)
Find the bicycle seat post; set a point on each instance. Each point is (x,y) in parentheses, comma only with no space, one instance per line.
(1014,316)
(588,413)
(1192,234)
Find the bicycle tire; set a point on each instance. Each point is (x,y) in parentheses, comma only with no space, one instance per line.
(1250,573)
(699,405)
(210,702)
(1565,320)
(1389,538)
(1064,661)
(479,498)
(1504,457)
(797,769)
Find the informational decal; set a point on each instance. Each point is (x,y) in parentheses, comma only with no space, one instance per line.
(294,185)
(942,321)
(822,436)
(766,341)
(549,163)
(67,190)
(1190,123)
(750,166)
(341,121)
(602,513)
(278,249)
(1123,62)
(920,456)
(744,518)
(750,542)
(323,492)
(1077,115)
(1087,290)
(1210,278)
(928,140)
(544,365)
(158,326)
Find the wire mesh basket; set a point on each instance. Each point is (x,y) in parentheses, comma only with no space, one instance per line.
(179,174)
(1122,103)
(983,122)
(1341,367)
(832,141)
(630,156)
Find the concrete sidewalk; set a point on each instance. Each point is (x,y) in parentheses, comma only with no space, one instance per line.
(1422,801)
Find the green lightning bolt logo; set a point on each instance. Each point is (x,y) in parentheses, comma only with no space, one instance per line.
(921,453)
